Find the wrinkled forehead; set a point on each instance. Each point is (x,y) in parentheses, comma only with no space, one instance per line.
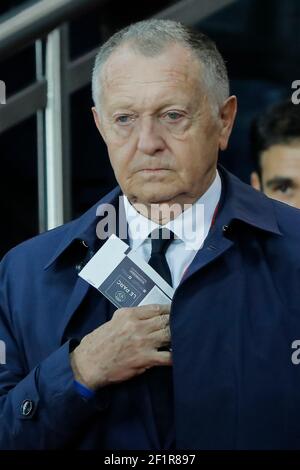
(175,69)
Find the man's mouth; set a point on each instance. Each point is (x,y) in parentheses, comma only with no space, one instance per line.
(154,169)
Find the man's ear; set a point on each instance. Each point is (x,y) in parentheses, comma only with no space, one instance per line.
(255,181)
(227,115)
(98,122)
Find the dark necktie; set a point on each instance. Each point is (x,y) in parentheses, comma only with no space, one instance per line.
(160,377)
(160,241)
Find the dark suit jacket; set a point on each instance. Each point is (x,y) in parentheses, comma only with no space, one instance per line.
(234,317)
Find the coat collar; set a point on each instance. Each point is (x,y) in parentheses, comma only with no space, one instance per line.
(240,202)
(84,228)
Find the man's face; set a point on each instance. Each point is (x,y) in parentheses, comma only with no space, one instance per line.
(157,123)
(280,173)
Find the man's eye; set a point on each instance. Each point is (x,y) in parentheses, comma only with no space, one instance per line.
(173,116)
(124,119)
(283,188)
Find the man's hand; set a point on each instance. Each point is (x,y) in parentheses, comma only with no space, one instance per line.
(125,346)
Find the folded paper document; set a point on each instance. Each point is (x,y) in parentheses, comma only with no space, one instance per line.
(124,277)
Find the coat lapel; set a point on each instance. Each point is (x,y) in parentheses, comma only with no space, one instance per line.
(215,247)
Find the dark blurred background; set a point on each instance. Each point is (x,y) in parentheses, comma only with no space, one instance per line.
(259,39)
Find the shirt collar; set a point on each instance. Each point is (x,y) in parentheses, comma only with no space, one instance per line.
(191,226)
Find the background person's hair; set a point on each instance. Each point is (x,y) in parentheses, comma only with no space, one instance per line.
(150,37)
(279,124)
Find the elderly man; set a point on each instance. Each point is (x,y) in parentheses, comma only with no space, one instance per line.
(215,370)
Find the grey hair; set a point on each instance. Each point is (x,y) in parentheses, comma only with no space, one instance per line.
(150,38)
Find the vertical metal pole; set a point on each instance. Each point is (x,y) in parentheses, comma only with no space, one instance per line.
(58,175)
(41,164)
(66,124)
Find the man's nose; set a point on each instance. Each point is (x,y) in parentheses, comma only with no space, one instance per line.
(150,140)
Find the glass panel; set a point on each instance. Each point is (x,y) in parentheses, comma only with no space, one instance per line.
(91,29)
(13,72)
(18,185)
(92,175)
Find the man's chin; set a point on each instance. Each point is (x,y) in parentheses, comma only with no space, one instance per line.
(155,198)
(139,190)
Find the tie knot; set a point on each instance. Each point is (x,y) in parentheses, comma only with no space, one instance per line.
(160,240)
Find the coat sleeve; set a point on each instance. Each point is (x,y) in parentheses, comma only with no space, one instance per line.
(40,408)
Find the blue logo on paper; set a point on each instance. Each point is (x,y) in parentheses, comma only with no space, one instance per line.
(120,296)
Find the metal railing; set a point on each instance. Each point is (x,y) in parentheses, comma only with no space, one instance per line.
(56,78)
(39,19)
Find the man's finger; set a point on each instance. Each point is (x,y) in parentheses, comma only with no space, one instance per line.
(157,323)
(161,337)
(160,358)
(148,311)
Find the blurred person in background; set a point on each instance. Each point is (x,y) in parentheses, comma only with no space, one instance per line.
(275,144)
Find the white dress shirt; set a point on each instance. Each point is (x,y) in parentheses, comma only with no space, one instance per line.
(191,228)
